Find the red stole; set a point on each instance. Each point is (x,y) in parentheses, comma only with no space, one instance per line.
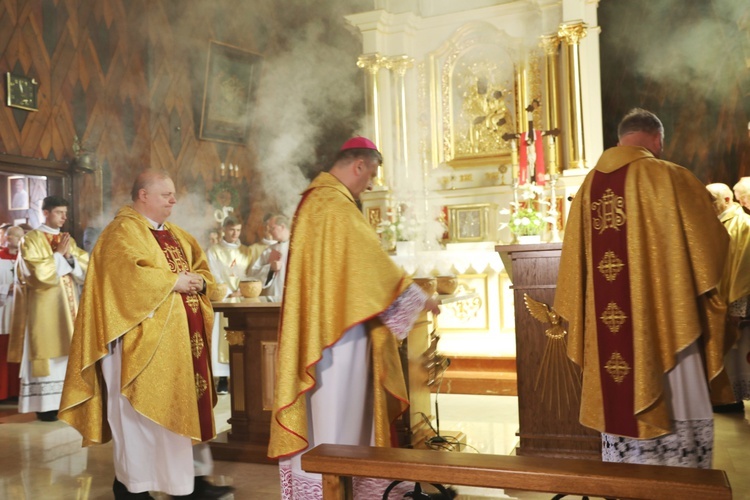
(6,255)
(614,325)
(9,381)
(196,329)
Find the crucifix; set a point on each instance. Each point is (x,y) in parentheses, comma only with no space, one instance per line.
(529,167)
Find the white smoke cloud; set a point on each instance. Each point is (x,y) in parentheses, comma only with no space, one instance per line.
(311,85)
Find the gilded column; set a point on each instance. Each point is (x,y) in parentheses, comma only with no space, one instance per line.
(372,63)
(398,66)
(550,104)
(572,34)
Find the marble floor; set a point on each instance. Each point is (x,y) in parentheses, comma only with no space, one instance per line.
(40,461)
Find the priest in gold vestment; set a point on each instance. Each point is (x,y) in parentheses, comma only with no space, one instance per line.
(339,378)
(641,261)
(50,268)
(139,371)
(735,290)
(229,261)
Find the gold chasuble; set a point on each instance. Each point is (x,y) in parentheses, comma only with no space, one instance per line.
(735,282)
(128,294)
(642,257)
(338,276)
(45,304)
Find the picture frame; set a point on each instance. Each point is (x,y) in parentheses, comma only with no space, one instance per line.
(232,76)
(18,192)
(471,223)
(21,92)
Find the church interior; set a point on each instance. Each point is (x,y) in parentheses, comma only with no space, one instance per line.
(488,114)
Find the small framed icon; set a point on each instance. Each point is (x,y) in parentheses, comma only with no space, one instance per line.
(21,91)
(18,192)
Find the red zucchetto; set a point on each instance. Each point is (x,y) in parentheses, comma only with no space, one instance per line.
(359,143)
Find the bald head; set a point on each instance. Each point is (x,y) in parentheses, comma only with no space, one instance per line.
(641,128)
(145,179)
(742,192)
(153,195)
(721,196)
(13,236)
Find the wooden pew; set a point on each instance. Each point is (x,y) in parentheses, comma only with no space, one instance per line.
(338,463)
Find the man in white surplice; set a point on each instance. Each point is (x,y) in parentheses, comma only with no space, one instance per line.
(270,268)
(50,268)
(229,261)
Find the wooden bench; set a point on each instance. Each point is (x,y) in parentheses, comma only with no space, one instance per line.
(339,463)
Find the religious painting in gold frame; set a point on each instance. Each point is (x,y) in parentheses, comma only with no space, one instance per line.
(232,76)
(480,81)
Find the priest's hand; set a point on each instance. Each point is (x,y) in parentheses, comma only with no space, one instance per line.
(188,283)
(431,305)
(63,247)
(275,260)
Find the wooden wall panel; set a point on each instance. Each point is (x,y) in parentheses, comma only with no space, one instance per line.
(126,77)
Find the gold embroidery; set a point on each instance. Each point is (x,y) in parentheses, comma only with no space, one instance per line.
(175,257)
(609,212)
(610,265)
(196,344)
(193,302)
(613,317)
(617,367)
(200,385)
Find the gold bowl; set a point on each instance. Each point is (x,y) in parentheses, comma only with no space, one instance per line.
(220,292)
(428,285)
(251,289)
(446,285)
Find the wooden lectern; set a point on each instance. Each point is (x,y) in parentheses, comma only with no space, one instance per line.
(252,337)
(546,428)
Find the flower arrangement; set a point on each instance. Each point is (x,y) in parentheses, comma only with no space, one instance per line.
(400,227)
(526,222)
(525,218)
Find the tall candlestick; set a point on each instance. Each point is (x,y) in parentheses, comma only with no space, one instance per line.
(514,159)
(552,155)
(222,170)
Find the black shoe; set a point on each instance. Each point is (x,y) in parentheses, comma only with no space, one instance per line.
(47,416)
(223,386)
(203,490)
(736,407)
(122,493)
